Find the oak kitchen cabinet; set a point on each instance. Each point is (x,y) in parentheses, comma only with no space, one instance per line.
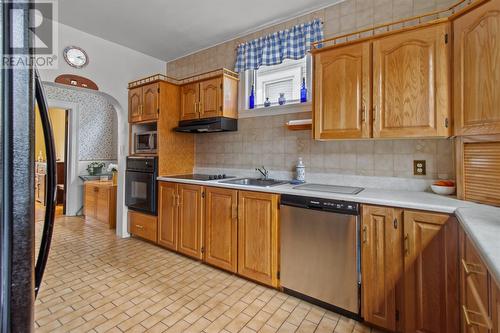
(213,97)
(382,264)
(143,225)
(409,265)
(100,201)
(221,228)
(144,102)
(407,97)
(233,230)
(342,88)
(180,214)
(480,298)
(258,236)
(476,55)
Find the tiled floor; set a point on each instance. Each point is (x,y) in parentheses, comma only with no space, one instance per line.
(95,282)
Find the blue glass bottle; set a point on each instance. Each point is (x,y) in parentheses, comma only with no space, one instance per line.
(251,99)
(303,91)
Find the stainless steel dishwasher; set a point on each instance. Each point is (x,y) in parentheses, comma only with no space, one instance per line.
(320,252)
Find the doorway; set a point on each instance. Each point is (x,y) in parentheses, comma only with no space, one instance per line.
(59,121)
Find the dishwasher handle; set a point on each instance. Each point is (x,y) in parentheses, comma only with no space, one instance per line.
(329,205)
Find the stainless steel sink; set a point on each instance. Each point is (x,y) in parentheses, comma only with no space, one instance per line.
(255,182)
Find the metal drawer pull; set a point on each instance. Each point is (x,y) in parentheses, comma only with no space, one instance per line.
(471,268)
(470,322)
(365,234)
(406,244)
(138,226)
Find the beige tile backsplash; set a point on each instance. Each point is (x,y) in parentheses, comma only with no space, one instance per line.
(266,141)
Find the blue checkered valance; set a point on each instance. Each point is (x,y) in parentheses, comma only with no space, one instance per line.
(291,43)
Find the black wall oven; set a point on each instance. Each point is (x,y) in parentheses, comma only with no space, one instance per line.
(140,184)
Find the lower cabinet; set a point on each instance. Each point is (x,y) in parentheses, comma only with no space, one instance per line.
(180,218)
(100,202)
(480,299)
(258,236)
(410,274)
(143,225)
(381,265)
(221,228)
(233,230)
(430,281)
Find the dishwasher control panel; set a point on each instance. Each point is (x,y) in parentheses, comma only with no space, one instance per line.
(338,206)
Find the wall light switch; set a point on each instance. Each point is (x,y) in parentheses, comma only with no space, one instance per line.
(419,167)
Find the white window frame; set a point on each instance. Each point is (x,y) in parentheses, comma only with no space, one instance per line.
(244,94)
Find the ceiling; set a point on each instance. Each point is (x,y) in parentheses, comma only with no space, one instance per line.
(169,29)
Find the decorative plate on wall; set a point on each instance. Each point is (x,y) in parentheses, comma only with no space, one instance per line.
(75,56)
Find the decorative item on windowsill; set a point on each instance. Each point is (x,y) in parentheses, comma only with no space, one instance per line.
(95,168)
(300,173)
(282,99)
(251,99)
(113,168)
(267,102)
(303,91)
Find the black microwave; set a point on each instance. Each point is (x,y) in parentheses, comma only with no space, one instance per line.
(146,142)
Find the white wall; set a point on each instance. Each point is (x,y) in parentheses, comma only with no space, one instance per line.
(111,67)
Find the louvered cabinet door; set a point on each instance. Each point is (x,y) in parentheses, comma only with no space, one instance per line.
(477,70)
(342,87)
(411,83)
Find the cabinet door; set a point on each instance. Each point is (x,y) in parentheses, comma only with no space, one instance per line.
(431,274)
(258,236)
(143,225)
(475,290)
(90,201)
(381,264)
(221,218)
(211,98)
(134,104)
(342,86)
(167,215)
(411,83)
(150,97)
(477,70)
(190,94)
(102,205)
(190,224)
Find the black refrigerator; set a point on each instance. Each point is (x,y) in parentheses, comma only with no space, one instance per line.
(20,272)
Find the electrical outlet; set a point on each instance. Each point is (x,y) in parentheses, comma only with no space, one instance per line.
(419,168)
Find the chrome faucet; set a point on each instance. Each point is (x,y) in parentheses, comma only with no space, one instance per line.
(263,171)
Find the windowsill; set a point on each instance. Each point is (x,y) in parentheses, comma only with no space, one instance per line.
(275,110)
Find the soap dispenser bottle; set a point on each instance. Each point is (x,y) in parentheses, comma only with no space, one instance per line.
(300,171)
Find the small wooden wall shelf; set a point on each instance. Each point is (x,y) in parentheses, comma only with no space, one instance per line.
(300,126)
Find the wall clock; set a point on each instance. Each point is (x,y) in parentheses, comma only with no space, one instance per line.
(75,56)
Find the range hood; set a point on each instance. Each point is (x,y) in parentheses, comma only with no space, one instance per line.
(208,125)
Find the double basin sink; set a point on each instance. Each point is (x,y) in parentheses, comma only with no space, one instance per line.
(255,182)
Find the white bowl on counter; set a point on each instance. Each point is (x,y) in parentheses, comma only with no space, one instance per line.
(443,190)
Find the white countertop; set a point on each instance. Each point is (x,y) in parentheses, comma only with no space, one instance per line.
(481,222)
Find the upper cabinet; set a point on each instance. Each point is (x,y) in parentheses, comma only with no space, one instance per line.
(476,57)
(143,103)
(214,97)
(411,83)
(342,86)
(394,86)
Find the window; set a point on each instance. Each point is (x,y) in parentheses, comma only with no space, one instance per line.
(271,81)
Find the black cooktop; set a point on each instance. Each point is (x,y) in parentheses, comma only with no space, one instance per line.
(202,177)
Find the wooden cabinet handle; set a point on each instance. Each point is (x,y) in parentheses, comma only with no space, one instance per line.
(363,113)
(488,324)
(406,244)
(138,226)
(365,234)
(471,268)
(234,212)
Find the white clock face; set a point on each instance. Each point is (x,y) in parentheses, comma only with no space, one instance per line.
(75,56)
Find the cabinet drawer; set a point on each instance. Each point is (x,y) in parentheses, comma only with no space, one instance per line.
(143,225)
